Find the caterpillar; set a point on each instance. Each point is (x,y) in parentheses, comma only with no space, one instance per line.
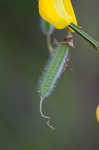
(52,73)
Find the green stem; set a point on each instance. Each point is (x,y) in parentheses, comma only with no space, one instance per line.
(50,47)
(85,35)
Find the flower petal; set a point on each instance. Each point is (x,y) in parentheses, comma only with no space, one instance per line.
(57,12)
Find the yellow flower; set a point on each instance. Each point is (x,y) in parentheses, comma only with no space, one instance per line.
(97,113)
(57,12)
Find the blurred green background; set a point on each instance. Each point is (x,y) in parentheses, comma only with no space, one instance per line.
(72,105)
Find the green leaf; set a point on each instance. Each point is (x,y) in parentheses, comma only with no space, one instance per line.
(85,35)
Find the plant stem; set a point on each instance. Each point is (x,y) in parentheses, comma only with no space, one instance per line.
(50,47)
(84,35)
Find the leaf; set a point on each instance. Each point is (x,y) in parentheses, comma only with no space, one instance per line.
(85,35)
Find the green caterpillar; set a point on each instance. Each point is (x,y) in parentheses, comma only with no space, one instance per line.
(54,70)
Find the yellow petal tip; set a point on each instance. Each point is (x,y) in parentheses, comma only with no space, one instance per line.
(97,113)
